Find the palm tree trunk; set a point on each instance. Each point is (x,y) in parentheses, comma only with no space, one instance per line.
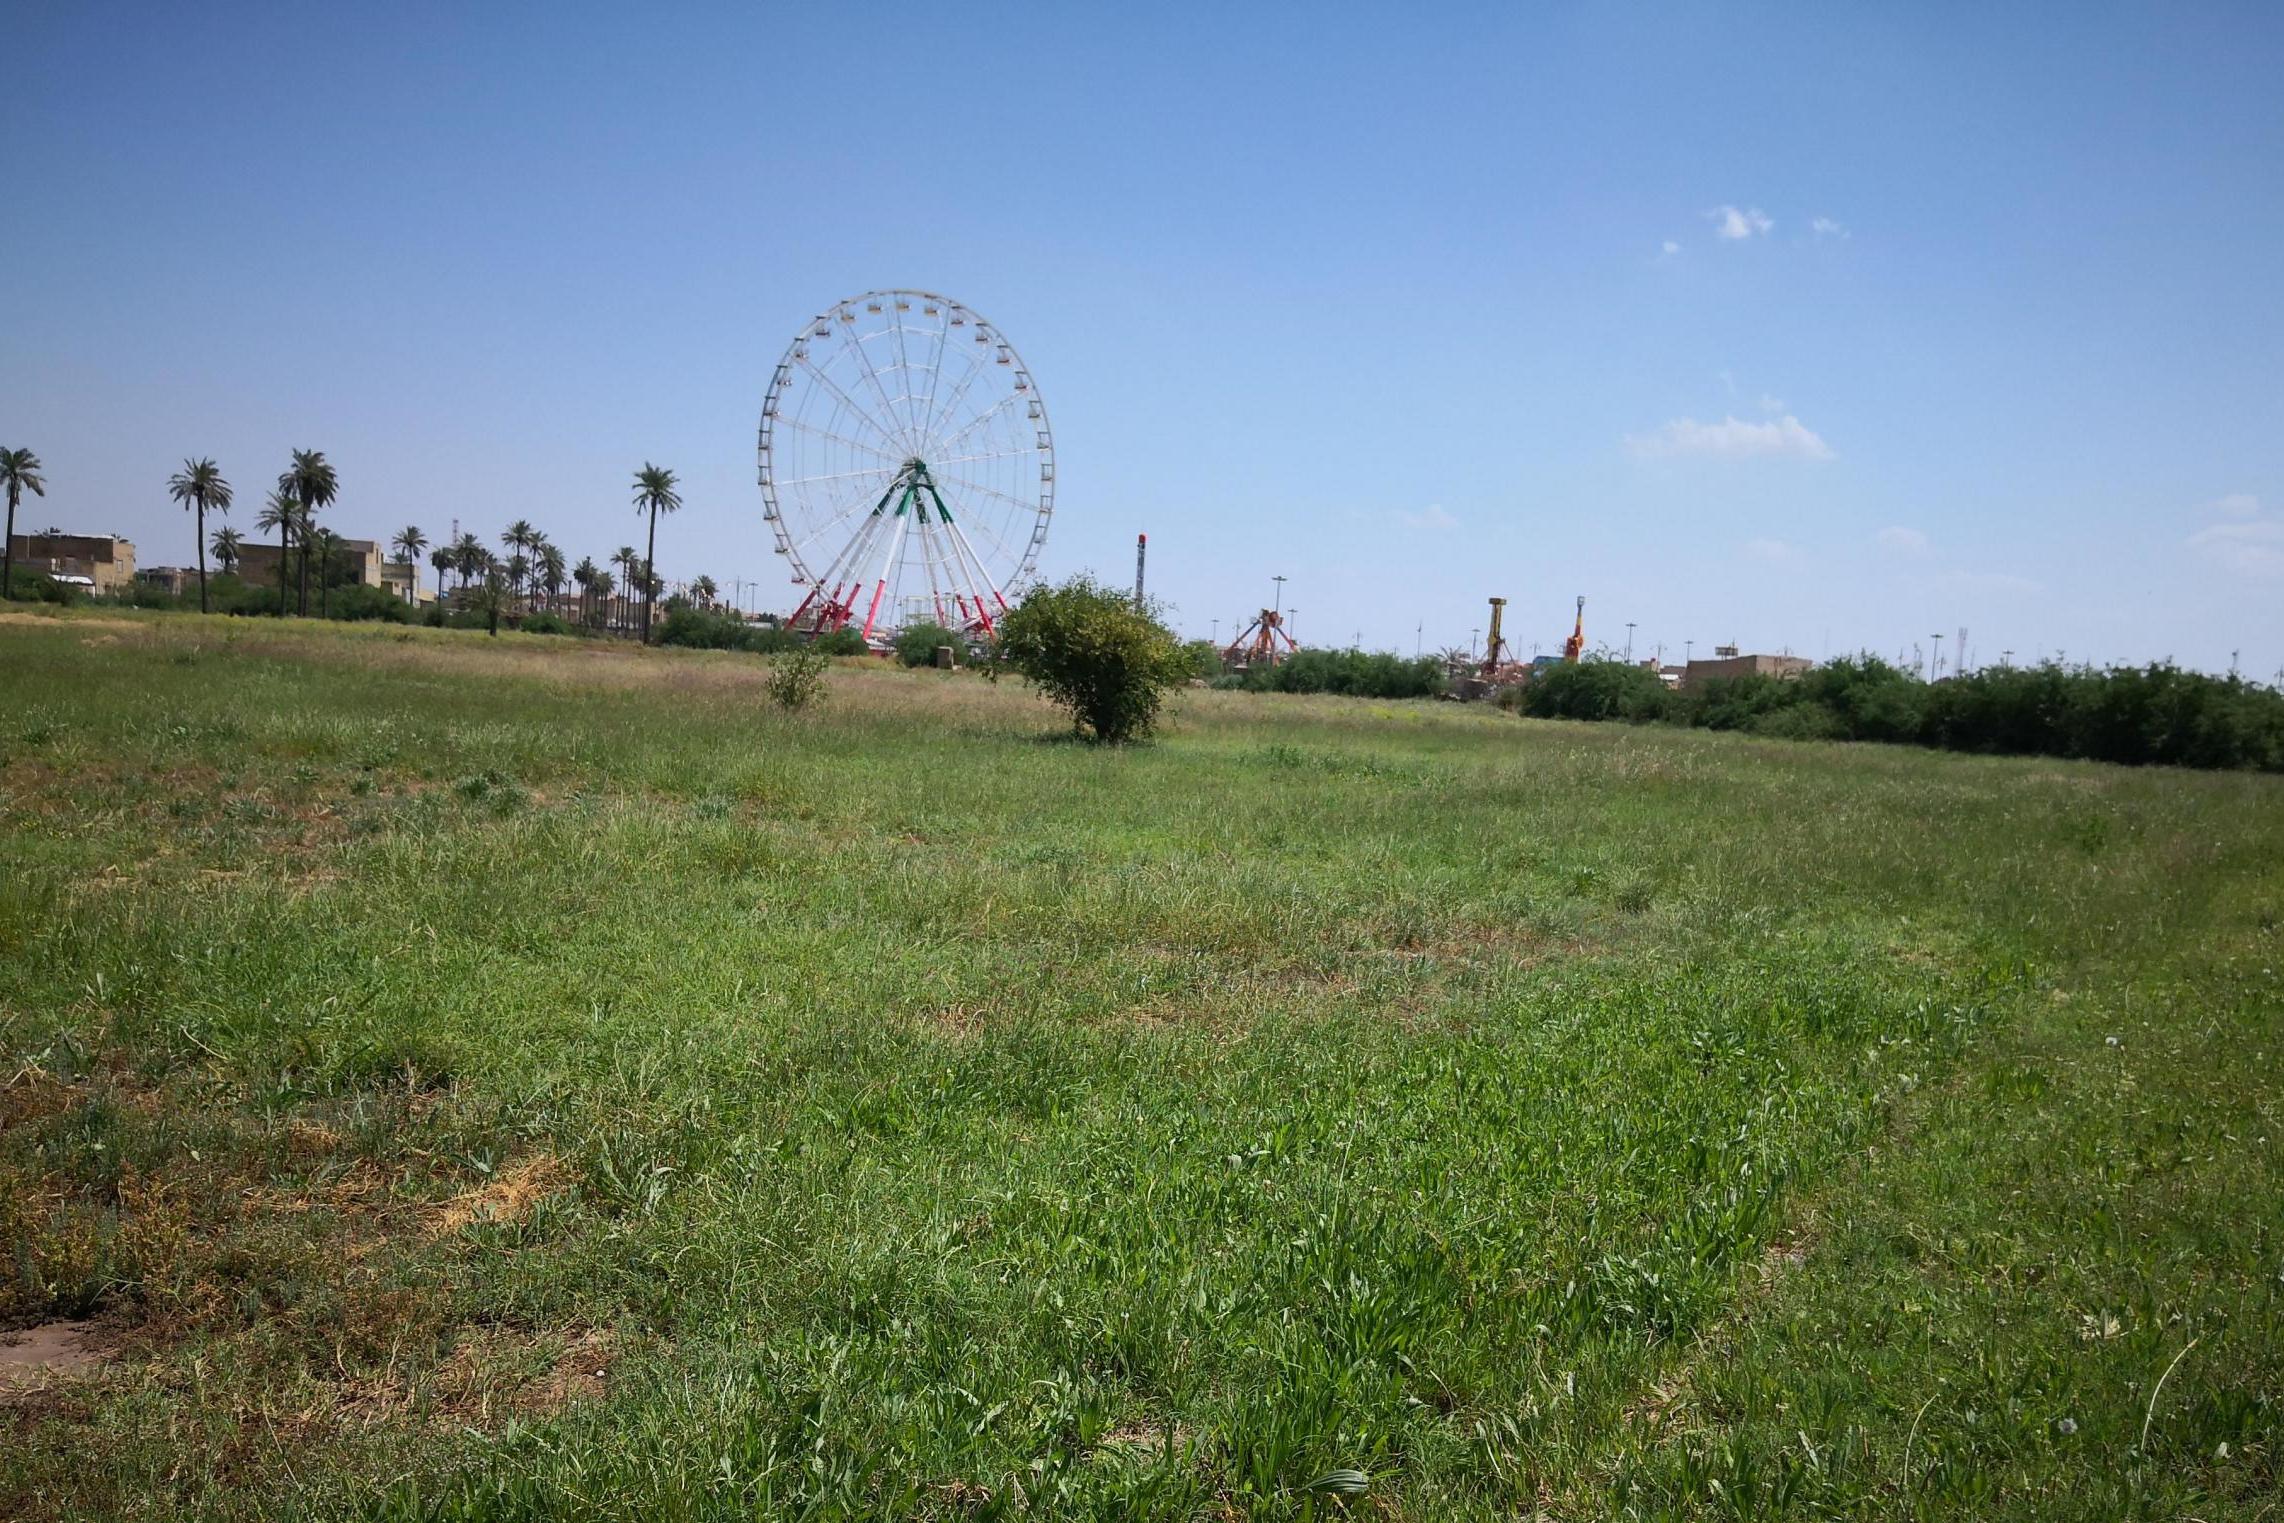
(649,561)
(285,548)
(8,550)
(303,608)
(202,608)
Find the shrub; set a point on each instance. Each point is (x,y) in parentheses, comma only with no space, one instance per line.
(1597,690)
(1087,647)
(360,602)
(916,644)
(686,624)
(1362,674)
(1869,699)
(797,677)
(1745,702)
(546,624)
(38,587)
(841,642)
(1204,659)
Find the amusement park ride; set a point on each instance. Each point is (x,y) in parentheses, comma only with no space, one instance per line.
(1262,642)
(905,463)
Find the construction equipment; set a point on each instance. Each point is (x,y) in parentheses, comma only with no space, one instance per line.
(1495,654)
(1575,647)
(1258,642)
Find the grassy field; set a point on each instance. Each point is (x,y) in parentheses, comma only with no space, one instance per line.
(505,1079)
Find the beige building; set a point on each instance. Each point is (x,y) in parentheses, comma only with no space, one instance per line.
(104,562)
(1734,665)
(359,560)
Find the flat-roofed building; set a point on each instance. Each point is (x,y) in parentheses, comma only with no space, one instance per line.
(1734,665)
(106,561)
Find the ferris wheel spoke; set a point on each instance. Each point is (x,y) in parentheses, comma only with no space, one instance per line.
(980,363)
(935,370)
(979,487)
(977,421)
(869,473)
(846,400)
(826,433)
(1009,454)
(864,356)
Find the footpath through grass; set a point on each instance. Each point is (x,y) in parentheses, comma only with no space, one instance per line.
(502,1079)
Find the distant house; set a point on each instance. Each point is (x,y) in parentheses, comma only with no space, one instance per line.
(355,560)
(104,562)
(174,580)
(1727,663)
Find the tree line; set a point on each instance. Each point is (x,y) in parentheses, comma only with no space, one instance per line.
(529,572)
(2157,714)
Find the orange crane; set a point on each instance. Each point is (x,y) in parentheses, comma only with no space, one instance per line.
(1575,646)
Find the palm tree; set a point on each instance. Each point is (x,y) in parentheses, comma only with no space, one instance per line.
(703,590)
(653,494)
(550,572)
(583,578)
(282,514)
(627,561)
(517,541)
(199,486)
(443,560)
(314,485)
(603,587)
(19,473)
(328,546)
(468,557)
(408,544)
(225,546)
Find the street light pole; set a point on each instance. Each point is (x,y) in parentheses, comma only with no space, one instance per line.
(1278,606)
(1629,640)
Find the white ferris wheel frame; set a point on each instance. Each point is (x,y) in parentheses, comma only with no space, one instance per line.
(967,586)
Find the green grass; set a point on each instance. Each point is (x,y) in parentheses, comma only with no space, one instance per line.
(494,1079)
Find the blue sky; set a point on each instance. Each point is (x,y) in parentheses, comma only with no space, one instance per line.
(1806,327)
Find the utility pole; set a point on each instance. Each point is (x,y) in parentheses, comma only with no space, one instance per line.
(1292,614)
(1472,636)
(1141,549)
(1938,639)
(1688,651)
(1419,638)
(1629,641)
(1278,606)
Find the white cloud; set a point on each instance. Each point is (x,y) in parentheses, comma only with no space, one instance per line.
(1774,551)
(1432,517)
(1771,404)
(2252,547)
(1733,437)
(2236,505)
(1669,248)
(1825,227)
(1739,222)
(1904,541)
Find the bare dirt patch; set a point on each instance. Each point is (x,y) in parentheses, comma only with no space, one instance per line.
(49,622)
(33,1359)
(508,1196)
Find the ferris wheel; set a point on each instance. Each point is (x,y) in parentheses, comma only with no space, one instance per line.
(906,465)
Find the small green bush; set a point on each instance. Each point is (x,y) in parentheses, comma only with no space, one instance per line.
(1597,690)
(1087,647)
(1358,673)
(916,644)
(841,642)
(546,624)
(797,677)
